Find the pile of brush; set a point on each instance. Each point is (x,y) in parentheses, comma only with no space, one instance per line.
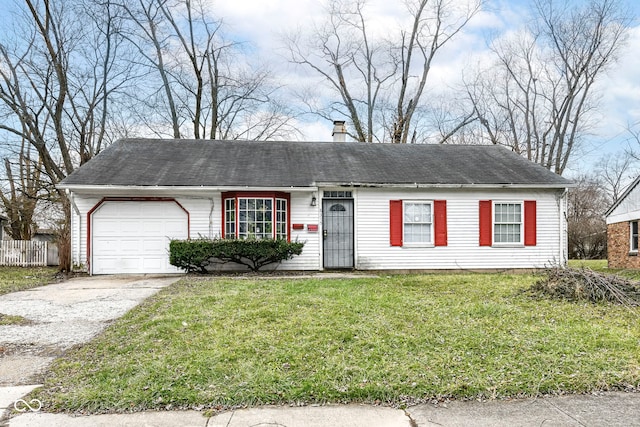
(587,285)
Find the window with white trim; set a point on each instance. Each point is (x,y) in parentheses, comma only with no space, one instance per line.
(633,244)
(281,219)
(507,223)
(255,216)
(418,223)
(230,219)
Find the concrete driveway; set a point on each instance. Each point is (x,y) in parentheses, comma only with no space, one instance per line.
(58,317)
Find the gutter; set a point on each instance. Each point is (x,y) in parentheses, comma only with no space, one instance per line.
(313,187)
(563,246)
(446,186)
(173,188)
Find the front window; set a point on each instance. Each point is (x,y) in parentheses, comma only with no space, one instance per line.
(281,219)
(417,223)
(230,218)
(507,223)
(634,236)
(255,216)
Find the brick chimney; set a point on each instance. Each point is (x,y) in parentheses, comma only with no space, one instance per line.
(339,131)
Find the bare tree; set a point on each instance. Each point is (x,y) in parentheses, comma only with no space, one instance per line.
(587,231)
(633,149)
(616,172)
(21,193)
(379,81)
(208,88)
(538,97)
(56,81)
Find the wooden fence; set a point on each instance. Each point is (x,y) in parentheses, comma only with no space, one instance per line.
(23,253)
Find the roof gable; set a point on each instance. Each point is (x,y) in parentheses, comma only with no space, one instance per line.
(152,162)
(627,204)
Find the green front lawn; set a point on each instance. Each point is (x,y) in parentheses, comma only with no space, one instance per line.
(218,343)
(14,279)
(601,266)
(593,264)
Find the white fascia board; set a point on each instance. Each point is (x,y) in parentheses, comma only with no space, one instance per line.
(122,189)
(623,217)
(448,186)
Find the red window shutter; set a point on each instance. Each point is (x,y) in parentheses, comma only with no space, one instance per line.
(530,223)
(440,222)
(485,223)
(395,222)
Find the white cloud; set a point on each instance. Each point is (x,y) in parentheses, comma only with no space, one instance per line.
(621,87)
(262,22)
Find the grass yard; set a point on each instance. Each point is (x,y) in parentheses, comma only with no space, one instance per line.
(601,266)
(14,279)
(593,264)
(219,343)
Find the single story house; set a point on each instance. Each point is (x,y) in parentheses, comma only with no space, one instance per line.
(355,205)
(622,229)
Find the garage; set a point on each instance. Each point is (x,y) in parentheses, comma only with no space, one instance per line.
(133,236)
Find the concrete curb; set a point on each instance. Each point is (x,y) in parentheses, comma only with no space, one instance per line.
(601,409)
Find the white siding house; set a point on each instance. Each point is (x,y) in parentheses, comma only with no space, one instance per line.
(355,206)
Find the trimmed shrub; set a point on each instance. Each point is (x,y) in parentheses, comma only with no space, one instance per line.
(191,255)
(196,255)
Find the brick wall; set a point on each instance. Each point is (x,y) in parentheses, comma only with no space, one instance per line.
(618,247)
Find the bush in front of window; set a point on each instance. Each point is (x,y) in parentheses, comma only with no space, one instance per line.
(196,255)
(191,255)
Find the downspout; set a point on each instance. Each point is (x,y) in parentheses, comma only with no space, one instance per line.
(562,235)
(79,234)
(211,218)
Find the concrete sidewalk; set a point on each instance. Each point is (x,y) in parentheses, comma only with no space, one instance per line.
(605,409)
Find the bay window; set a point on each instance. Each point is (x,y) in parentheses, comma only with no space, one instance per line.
(259,215)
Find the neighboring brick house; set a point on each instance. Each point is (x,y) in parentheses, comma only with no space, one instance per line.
(622,229)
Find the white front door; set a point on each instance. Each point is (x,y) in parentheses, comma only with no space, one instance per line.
(133,236)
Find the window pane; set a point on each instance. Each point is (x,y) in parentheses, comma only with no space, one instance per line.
(230,216)
(417,233)
(417,222)
(256,218)
(507,227)
(281,219)
(634,235)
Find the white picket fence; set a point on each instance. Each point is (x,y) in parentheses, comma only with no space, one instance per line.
(23,253)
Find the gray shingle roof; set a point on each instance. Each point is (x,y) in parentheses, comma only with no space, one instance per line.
(153,162)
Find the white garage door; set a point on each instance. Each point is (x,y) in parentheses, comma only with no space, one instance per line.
(133,237)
